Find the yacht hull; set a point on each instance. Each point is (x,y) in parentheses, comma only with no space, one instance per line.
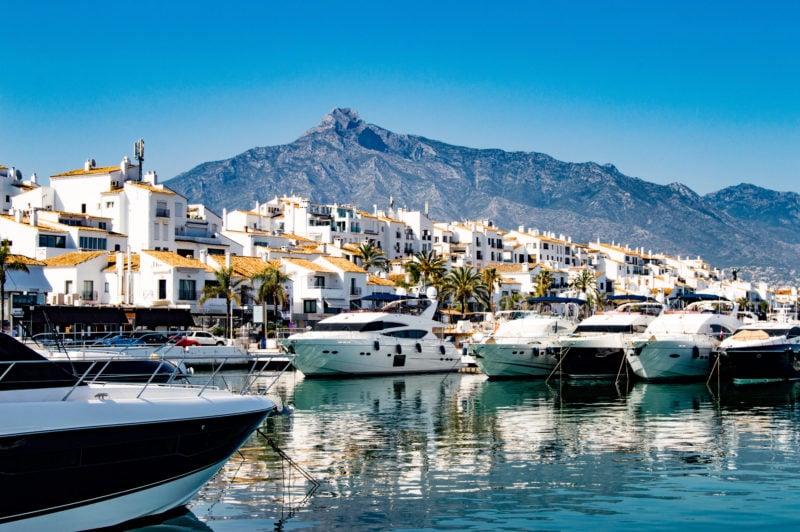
(108,456)
(761,363)
(670,359)
(339,357)
(513,361)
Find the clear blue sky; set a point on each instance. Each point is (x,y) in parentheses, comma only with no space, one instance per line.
(702,93)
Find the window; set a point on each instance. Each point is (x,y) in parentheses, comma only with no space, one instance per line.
(88,291)
(155,230)
(52,241)
(162,289)
(83,208)
(310,306)
(187,289)
(319,281)
(105,288)
(92,242)
(67,287)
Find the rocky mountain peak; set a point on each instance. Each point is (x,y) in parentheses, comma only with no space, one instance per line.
(339,120)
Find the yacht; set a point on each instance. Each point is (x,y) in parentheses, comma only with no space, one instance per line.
(523,347)
(762,351)
(77,455)
(596,348)
(400,338)
(679,344)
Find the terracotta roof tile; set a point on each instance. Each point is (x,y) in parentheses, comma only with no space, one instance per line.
(173,259)
(73,259)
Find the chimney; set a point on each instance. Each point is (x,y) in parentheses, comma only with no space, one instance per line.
(33,217)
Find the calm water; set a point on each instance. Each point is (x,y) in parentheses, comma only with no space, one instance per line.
(459,452)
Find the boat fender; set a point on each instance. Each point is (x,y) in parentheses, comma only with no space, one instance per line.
(441,349)
(419,348)
(377,345)
(398,348)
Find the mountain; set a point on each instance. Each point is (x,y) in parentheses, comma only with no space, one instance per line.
(346,160)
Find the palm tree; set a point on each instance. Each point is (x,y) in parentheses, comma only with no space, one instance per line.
(226,286)
(510,302)
(8,262)
(426,268)
(586,284)
(492,280)
(371,256)
(464,283)
(272,289)
(542,282)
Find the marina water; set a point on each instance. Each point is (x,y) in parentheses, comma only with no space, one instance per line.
(460,452)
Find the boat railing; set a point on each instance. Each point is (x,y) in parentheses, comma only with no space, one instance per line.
(168,368)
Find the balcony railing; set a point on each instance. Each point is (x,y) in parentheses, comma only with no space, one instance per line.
(162,213)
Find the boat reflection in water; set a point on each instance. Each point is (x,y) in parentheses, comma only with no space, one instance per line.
(462,451)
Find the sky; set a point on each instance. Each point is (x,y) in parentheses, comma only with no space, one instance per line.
(702,93)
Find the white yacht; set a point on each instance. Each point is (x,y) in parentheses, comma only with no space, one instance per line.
(762,351)
(78,455)
(523,347)
(596,348)
(401,338)
(679,343)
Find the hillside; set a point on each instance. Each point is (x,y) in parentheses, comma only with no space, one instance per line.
(344,159)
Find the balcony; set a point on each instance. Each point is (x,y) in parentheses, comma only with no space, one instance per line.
(355,290)
(162,213)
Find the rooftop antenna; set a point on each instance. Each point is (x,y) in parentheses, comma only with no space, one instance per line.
(138,152)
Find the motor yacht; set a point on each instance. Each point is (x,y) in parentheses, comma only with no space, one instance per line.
(523,347)
(77,455)
(762,351)
(596,348)
(400,338)
(680,343)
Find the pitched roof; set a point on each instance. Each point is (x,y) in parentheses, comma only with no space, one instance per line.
(112,262)
(82,171)
(152,188)
(173,259)
(379,281)
(308,265)
(73,259)
(344,264)
(27,261)
(242,266)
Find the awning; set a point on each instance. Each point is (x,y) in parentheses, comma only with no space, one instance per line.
(31,281)
(69,315)
(336,303)
(180,318)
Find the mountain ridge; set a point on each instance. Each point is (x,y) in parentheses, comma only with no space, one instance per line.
(347,160)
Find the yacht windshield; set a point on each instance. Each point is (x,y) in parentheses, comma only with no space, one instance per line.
(606,328)
(408,306)
(378,325)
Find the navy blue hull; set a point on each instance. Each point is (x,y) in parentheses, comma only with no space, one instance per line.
(584,363)
(761,363)
(45,471)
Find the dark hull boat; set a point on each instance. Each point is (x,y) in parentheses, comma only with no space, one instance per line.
(763,351)
(77,455)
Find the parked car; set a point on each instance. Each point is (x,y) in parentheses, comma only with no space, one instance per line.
(182,341)
(137,338)
(204,338)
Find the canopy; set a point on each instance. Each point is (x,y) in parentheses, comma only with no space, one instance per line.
(575,300)
(383,296)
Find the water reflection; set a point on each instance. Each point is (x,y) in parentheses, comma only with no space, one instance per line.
(460,451)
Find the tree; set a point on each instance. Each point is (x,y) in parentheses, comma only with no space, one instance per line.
(542,282)
(464,283)
(426,268)
(492,280)
(8,262)
(272,289)
(371,256)
(226,286)
(586,284)
(510,302)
